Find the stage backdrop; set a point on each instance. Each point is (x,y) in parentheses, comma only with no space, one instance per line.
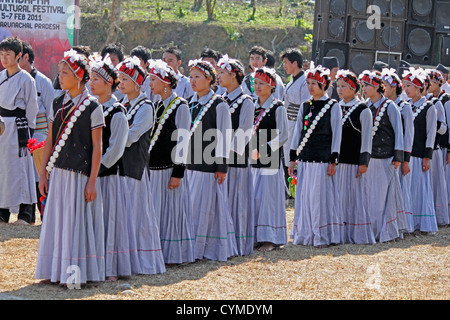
(50,26)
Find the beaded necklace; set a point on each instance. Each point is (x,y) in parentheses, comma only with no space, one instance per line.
(349,112)
(313,124)
(377,118)
(261,115)
(67,131)
(135,108)
(235,104)
(418,110)
(201,113)
(165,115)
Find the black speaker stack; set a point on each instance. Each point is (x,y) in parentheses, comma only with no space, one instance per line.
(415,31)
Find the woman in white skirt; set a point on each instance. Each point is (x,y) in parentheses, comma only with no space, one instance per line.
(438,162)
(354,157)
(315,146)
(270,132)
(103,82)
(71,247)
(393,91)
(142,247)
(425,124)
(239,183)
(168,153)
(209,149)
(385,193)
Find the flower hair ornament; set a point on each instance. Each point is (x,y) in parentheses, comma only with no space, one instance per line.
(319,73)
(345,75)
(232,65)
(371,78)
(77,63)
(103,67)
(415,76)
(132,68)
(162,70)
(267,75)
(203,66)
(435,76)
(391,77)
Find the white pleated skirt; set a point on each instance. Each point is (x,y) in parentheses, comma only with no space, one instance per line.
(405,183)
(439,186)
(144,243)
(318,215)
(239,186)
(71,245)
(213,227)
(424,216)
(269,198)
(358,227)
(174,211)
(385,199)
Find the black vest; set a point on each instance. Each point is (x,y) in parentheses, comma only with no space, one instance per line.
(236,160)
(351,136)
(266,132)
(136,157)
(318,147)
(383,142)
(201,156)
(117,108)
(76,154)
(420,134)
(161,153)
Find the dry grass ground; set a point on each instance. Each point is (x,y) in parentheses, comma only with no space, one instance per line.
(415,268)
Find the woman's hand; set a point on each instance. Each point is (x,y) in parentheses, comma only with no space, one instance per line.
(331,170)
(174,183)
(425,164)
(220,176)
(361,169)
(396,164)
(255,155)
(43,184)
(405,168)
(90,191)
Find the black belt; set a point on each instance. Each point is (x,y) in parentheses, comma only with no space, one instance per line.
(292,111)
(16,113)
(23,133)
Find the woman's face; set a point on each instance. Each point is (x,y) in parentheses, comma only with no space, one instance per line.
(411,90)
(225,78)
(198,80)
(314,89)
(368,90)
(98,86)
(344,91)
(157,86)
(262,88)
(389,91)
(67,78)
(126,85)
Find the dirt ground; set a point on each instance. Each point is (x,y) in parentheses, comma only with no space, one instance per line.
(413,268)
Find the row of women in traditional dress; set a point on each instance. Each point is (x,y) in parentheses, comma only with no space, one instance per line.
(185,179)
(392,154)
(160,197)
